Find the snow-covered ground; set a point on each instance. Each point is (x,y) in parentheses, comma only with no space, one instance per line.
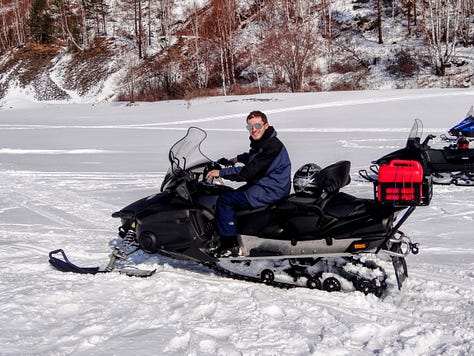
(64,168)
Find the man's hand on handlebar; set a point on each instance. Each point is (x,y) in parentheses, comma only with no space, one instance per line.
(227,162)
(211,175)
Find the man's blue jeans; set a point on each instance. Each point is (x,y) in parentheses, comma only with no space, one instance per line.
(226,206)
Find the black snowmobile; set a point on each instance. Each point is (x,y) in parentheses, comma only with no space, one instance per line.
(452,164)
(318,237)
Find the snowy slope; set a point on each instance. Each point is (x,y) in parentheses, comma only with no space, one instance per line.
(64,168)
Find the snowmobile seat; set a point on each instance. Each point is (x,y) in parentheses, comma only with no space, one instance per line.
(345,205)
(262,208)
(296,205)
(296,199)
(321,182)
(256,219)
(305,213)
(250,210)
(435,156)
(333,177)
(330,180)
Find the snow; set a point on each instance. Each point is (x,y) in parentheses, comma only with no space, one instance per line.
(64,168)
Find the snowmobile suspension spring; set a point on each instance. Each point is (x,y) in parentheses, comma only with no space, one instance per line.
(128,241)
(129,237)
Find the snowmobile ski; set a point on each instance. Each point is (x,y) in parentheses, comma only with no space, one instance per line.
(65,265)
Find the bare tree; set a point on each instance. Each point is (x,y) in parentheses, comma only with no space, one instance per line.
(198,47)
(466,32)
(326,18)
(138,26)
(219,29)
(166,19)
(291,46)
(410,9)
(442,26)
(79,21)
(13,22)
(379,20)
(291,41)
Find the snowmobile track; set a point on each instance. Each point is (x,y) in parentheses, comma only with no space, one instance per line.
(296,271)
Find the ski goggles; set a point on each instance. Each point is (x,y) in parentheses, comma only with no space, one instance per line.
(258,126)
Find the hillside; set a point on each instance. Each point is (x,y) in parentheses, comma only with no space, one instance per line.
(221,47)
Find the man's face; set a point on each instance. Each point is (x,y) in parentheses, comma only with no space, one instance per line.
(255,132)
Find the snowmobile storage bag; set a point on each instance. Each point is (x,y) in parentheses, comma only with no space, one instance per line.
(400,183)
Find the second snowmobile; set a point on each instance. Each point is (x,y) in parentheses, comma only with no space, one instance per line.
(318,237)
(452,164)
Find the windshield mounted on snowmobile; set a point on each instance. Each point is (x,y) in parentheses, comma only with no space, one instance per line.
(470,113)
(185,154)
(414,137)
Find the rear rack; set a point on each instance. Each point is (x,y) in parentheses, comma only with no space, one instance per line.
(400,183)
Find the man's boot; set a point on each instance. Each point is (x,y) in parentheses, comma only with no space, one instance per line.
(228,247)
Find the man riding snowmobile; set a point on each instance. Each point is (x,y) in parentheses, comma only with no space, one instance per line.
(267,173)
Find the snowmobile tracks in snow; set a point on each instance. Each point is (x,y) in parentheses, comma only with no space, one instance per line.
(344,274)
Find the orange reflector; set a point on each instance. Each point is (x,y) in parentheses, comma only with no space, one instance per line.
(359,246)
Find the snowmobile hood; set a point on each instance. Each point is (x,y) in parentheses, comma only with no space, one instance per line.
(465,127)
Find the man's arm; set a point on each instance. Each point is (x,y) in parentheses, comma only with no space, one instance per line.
(256,168)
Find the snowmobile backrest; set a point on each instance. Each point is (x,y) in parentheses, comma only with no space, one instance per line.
(334,177)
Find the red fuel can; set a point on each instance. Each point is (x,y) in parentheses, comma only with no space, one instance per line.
(400,182)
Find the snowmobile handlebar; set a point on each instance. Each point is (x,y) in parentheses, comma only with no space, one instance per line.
(224,162)
(428,139)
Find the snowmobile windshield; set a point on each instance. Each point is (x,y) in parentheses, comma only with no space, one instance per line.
(470,113)
(186,154)
(414,137)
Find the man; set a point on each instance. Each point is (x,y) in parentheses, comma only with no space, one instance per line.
(267,171)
